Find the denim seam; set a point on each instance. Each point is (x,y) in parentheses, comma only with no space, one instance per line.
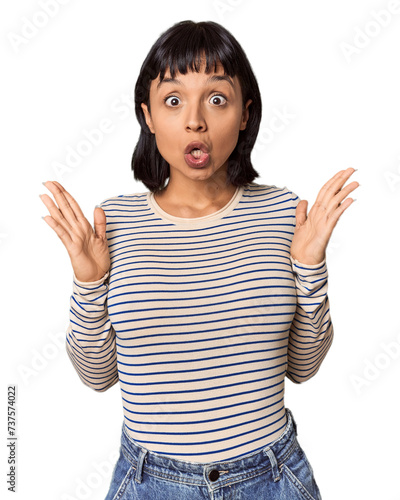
(128,457)
(293,447)
(152,472)
(123,485)
(175,479)
(298,484)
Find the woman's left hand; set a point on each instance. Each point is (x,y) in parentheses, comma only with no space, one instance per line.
(312,232)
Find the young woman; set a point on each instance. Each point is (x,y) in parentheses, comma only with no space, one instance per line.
(201,294)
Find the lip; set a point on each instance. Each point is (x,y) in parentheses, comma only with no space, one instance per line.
(196,144)
(203,161)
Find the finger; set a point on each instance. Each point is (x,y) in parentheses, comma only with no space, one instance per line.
(71,200)
(99,222)
(65,208)
(59,230)
(55,212)
(335,187)
(301,212)
(340,196)
(326,186)
(333,219)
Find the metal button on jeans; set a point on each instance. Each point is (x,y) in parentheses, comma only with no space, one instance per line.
(213,475)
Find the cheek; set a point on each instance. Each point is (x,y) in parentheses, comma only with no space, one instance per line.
(227,136)
(166,138)
(164,146)
(162,129)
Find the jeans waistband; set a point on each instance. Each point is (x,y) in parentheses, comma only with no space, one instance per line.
(198,473)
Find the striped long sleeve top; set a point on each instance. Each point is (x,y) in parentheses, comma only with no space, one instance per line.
(200,320)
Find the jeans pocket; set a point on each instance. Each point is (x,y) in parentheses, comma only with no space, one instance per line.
(300,476)
(121,490)
(122,475)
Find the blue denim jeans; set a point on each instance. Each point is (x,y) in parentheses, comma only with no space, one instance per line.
(279,471)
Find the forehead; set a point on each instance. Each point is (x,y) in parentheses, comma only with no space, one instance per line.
(195,78)
(217,74)
(199,64)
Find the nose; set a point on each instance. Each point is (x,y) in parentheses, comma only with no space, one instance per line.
(195,119)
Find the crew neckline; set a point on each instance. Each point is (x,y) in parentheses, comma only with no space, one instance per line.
(222,212)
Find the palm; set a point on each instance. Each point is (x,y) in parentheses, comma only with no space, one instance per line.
(87,248)
(312,232)
(88,251)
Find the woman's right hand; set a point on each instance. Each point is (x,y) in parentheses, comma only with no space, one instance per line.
(87,248)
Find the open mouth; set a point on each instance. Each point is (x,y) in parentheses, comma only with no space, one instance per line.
(196,153)
(196,157)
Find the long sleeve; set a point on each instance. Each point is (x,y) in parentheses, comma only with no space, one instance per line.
(90,340)
(311,332)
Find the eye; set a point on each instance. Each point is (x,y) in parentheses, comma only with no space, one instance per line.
(174,101)
(217,98)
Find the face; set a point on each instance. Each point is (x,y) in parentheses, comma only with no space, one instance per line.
(196,107)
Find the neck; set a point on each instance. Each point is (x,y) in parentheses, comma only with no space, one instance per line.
(187,198)
(198,194)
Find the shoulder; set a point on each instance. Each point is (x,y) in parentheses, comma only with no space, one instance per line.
(122,201)
(269,192)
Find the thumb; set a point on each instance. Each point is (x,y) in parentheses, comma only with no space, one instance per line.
(301,212)
(99,222)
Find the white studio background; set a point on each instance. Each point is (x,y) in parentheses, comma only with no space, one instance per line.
(329,77)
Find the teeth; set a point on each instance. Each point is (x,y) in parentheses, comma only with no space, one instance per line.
(196,153)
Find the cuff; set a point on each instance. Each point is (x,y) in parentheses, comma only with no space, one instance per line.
(308,268)
(87,284)
(310,279)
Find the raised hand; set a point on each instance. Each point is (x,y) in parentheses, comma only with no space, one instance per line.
(312,232)
(87,248)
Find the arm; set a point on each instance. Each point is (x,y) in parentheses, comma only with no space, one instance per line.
(90,341)
(311,332)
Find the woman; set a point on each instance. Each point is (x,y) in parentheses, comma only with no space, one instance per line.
(200,295)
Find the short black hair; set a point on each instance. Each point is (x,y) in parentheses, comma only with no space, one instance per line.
(181,48)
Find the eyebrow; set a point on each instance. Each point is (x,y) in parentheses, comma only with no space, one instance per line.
(211,79)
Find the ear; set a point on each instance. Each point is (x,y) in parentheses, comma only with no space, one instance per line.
(245,115)
(148,117)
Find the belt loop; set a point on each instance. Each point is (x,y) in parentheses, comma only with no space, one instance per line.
(139,465)
(274,463)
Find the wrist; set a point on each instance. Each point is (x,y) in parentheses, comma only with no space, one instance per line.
(309,260)
(89,279)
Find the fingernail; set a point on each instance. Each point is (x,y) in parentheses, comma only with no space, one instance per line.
(44,183)
(97,206)
(355,199)
(42,217)
(40,196)
(355,170)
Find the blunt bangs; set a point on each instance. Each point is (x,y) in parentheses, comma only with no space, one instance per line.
(180,49)
(186,52)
